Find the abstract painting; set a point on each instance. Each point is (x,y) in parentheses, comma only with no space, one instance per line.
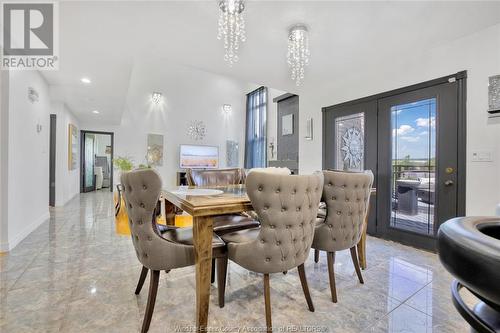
(494,93)
(72,147)
(155,150)
(232,154)
(199,157)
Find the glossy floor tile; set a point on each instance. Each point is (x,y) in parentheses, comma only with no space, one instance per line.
(77,273)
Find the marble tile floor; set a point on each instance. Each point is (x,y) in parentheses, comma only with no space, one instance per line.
(75,274)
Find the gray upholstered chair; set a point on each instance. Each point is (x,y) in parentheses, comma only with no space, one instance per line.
(346,195)
(287,208)
(157,251)
(213,177)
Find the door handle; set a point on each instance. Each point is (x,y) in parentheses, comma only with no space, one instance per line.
(448,183)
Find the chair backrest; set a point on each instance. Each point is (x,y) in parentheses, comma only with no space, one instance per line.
(347,196)
(273,170)
(215,177)
(287,207)
(141,191)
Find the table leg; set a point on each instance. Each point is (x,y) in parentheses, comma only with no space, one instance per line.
(202,239)
(362,242)
(169,213)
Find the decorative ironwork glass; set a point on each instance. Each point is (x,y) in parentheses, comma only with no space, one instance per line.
(350,142)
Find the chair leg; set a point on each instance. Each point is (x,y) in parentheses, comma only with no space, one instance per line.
(267,299)
(212,276)
(221,279)
(354,256)
(144,273)
(316,255)
(305,287)
(330,256)
(153,289)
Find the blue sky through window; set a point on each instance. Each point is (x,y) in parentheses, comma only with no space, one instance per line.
(414,130)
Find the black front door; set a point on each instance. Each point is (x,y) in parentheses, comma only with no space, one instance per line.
(288,134)
(417,163)
(413,139)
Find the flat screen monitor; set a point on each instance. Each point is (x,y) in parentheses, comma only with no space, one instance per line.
(199,157)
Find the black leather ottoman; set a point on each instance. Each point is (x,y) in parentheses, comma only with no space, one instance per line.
(469,248)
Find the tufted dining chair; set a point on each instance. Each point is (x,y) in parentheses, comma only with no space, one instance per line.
(287,208)
(211,177)
(346,195)
(157,251)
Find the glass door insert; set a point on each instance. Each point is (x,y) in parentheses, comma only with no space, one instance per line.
(413,166)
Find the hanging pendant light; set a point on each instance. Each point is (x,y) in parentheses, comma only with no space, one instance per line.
(231,27)
(298,52)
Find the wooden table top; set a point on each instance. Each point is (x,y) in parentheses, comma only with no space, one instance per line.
(234,199)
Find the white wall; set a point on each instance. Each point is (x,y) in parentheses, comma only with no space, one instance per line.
(478,53)
(67,181)
(28,158)
(189,94)
(4,140)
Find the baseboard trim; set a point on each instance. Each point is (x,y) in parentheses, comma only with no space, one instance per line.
(27,230)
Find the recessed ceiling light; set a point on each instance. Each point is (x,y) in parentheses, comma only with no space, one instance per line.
(95,111)
(86,80)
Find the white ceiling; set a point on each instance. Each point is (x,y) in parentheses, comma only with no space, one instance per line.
(103,40)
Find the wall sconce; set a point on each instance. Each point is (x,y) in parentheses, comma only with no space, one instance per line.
(156,97)
(309,129)
(227,108)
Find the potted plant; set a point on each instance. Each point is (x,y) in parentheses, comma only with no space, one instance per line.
(123,163)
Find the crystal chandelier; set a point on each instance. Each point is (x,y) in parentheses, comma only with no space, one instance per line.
(298,52)
(231,27)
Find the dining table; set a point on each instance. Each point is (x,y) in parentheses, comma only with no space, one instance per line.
(203,204)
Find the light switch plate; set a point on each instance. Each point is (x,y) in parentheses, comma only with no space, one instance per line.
(482,156)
